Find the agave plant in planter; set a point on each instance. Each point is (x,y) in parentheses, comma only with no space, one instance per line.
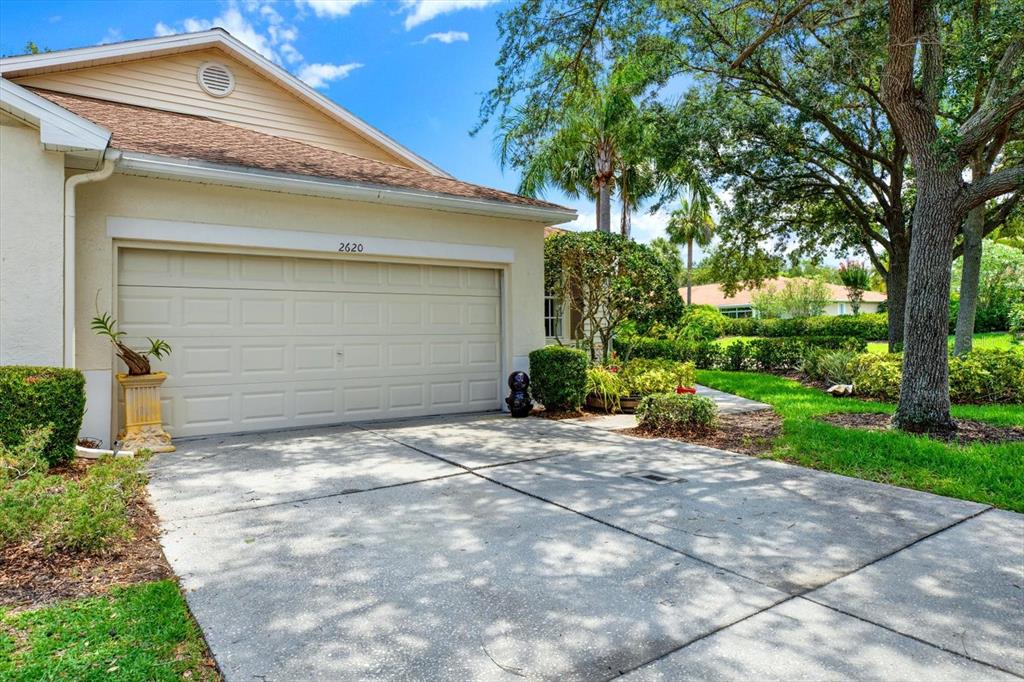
(143,422)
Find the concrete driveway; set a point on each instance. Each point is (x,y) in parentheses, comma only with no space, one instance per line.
(482,547)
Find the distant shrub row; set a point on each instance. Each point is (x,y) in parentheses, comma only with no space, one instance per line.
(764,354)
(868,327)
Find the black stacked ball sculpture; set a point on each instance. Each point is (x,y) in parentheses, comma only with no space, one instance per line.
(518,401)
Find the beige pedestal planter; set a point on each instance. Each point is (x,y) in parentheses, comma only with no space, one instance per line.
(143,426)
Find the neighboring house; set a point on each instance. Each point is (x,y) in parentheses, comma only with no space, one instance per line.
(741,303)
(305,268)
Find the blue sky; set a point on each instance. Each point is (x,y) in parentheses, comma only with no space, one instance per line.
(416,69)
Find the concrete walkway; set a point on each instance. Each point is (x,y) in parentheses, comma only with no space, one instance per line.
(483,547)
(727,404)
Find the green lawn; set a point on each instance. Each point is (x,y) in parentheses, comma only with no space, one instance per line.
(142,632)
(983,341)
(991,474)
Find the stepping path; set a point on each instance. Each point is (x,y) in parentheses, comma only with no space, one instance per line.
(727,404)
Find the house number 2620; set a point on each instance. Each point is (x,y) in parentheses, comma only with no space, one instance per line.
(350,247)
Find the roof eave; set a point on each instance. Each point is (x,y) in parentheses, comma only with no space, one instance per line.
(173,168)
(84,57)
(59,129)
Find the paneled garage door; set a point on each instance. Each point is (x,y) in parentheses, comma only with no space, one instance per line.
(268,342)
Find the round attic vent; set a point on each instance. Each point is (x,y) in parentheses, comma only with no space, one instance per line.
(216,79)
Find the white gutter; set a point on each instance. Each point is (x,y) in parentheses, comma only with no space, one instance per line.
(69,250)
(237,176)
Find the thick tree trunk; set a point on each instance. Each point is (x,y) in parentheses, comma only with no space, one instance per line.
(896,291)
(971,273)
(689,271)
(924,390)
(604,207)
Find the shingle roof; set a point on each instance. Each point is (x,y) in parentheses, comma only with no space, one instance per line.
(712,294)
(165,133)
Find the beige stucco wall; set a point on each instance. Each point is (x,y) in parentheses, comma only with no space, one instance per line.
(136,197)
(31,248)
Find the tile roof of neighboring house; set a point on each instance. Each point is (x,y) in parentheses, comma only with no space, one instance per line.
(550,230)
(164,133)
(712,294)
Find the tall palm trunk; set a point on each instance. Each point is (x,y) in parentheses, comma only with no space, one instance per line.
(603,174)
(689,271)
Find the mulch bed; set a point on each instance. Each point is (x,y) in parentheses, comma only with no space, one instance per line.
(968,431)
(751,433)
(569,414)
(31,578)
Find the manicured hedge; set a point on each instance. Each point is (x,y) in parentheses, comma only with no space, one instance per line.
(558,377)
(33,397)
(981,376)
(869,326)
(763,354)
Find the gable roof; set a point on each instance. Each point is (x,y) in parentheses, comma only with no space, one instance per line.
(712,294)
(159,133)
(78,58)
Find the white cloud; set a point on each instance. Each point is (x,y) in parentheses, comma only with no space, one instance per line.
(332,9)
(448,37)
(275,43)
(113,35)
(319,75)
(422,11)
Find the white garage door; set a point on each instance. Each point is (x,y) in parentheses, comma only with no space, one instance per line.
(268,342)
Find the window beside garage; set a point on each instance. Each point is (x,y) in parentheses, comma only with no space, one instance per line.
(554,317)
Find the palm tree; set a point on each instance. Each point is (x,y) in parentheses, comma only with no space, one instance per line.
(691,222)
(582,155)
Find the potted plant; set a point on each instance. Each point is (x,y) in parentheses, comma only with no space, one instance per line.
(637,379)
(143,424)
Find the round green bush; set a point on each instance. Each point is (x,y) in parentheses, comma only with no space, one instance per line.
(702,323)
(677,412)
(558,377)
(35,397)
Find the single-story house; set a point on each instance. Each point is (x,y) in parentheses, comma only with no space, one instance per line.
(740,304)
(305,268)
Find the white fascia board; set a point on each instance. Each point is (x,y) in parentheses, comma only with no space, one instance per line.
(152,47)
(172,168)
(59,129)
(358,246)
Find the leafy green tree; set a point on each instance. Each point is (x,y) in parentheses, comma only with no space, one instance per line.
(669,254)
(866,90)
(856,278)
(691,222)
(607,279)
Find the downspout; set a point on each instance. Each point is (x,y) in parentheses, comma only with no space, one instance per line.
(69,249)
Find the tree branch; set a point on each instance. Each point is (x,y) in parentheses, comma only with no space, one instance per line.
(774,28)
(991,186)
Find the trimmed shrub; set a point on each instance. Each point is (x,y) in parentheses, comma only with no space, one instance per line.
(742,326)
(36,397)
(736,356)
(987,376)
(773,354)
(981,376)
(677,412)
(878,375)
(644,377)
(702,323)
(558,377)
